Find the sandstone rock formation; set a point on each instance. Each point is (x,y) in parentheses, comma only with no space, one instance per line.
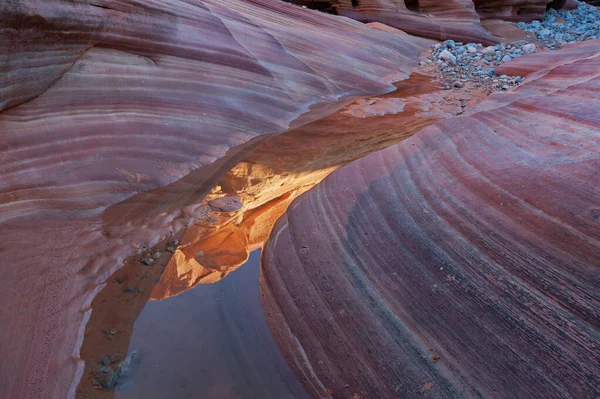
(437,19)
(455,19)
(464,261)
(119,116)
(287,165)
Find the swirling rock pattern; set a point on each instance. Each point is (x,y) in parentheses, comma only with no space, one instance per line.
(464,261)
(119,116)
(287,165)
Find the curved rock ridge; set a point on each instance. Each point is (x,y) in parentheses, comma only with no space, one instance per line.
(146,104)
(287,165)
(461,262)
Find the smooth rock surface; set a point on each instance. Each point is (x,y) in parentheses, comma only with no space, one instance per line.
(119,116)
(461,262)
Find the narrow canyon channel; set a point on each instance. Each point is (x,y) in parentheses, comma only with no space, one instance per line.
(184,318)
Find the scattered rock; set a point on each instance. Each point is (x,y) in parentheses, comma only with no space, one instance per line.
(147,261)
(560,27)
(106,360)
(529,48)
(129,290)
(470,62)
(447,56)
(119,280)
(109,378)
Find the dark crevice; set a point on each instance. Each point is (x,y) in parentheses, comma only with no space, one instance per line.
(556,4)
(412,5)
(325,6)
(101,6)
(355,3)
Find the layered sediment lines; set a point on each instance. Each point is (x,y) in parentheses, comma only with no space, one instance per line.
(440,19)
(118,117)
(287,165)
(463,261)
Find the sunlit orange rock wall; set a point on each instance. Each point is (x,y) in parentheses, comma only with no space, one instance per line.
(463,261)
(119,116)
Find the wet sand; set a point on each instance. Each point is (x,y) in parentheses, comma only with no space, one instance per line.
(212,341)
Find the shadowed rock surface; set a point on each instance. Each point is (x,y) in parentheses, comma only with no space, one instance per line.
(464,261)
(119,116)
(439,19)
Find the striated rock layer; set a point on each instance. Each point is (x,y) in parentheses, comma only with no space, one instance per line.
(119,116)
(287,165)
(450,19)
(440,19)
(464,261)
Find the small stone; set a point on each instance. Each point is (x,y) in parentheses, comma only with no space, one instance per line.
(106,360)
(447,56)
(450,44)
(119,280)
(529,48)
(506,58)
(489,50)
(147,261)
(129,290)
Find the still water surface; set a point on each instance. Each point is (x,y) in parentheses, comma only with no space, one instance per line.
(212,341)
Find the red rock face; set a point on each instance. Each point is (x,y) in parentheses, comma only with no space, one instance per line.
(453,19)
(464,261)
(118,117)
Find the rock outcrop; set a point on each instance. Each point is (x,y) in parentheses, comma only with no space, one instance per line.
(454,19)
(287,165)
(439,19)
(119,116)
(464,261)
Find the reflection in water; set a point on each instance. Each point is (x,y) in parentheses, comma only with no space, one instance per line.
(212,341)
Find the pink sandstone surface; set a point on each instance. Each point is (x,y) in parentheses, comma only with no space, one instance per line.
(118,116)
(463,261)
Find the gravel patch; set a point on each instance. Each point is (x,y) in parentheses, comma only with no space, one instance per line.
(561,28)
(457,64)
